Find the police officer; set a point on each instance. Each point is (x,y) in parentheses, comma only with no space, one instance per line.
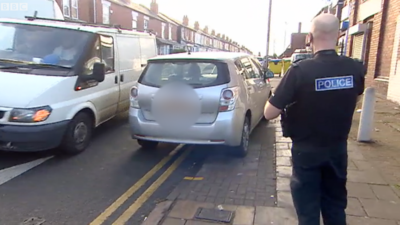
(321,93)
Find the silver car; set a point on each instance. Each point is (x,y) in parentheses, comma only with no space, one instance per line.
(214,98)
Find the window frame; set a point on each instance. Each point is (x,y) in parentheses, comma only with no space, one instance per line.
(146,22)
(135,16)
(66,7)
(163,25)
(169,31)
(106,5)
(76,7)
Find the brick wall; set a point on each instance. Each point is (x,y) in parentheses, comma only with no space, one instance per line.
(379,43)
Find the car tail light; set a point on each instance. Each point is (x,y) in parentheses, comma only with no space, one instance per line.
(133,98)
(228,99)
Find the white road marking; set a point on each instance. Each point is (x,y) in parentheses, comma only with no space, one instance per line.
(12,172)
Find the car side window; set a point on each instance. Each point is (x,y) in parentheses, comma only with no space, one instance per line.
(249,68)
(107,53)
(94,57)
(257,69)
(240,70)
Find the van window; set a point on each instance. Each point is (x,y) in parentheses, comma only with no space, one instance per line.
(30,43)
(197,73)
(94,57)
(107,53)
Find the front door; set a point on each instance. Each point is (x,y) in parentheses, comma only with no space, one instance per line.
(104,95)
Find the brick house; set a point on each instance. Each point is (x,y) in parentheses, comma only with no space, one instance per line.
(171,34)
(373,36)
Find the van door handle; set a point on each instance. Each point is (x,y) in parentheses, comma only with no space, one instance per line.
(116,79)
(121,78)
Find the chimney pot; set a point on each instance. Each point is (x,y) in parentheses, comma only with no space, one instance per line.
(299,31)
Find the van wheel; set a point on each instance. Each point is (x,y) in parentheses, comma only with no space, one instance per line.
(242,150)
(78,134)
(147,144)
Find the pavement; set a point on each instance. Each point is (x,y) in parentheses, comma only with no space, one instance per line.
(373,193)
(116,182)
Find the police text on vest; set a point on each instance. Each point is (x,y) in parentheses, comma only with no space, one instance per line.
(334,83)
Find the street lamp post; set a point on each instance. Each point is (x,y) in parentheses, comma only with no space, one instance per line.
(269,26)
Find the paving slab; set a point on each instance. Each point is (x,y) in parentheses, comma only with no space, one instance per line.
(244,215)
(172,221)
(382,209)
(384,192)
(285,199)
(355,220)
(354,207)
(283,161)
(283,184)
(284,171)
(158,213)
(368,177)
(360,190)
(275,215)
(187,209)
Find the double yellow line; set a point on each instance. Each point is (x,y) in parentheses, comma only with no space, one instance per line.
(146,194)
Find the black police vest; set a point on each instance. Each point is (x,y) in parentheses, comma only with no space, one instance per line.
(325,101)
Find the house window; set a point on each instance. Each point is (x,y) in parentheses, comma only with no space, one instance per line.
(134,19)
(66,8)
(146,23)
(74,9)
(106,12)
(170,32)
(163,30)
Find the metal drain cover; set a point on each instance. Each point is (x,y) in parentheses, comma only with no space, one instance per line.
(216,215)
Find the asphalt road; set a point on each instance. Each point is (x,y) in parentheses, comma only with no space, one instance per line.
(109,183)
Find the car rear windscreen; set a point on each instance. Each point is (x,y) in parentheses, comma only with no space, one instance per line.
(196,73)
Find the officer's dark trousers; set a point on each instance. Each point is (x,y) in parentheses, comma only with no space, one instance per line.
(318,183)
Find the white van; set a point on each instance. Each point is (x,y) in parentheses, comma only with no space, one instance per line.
(59,80)
(18,9)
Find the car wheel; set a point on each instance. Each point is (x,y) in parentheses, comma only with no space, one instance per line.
(147,144)
(78,134)
(242,149)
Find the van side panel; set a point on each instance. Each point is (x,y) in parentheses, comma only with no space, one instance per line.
(148,48)
(129,67)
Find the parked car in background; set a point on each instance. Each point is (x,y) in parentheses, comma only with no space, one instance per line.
(199,98)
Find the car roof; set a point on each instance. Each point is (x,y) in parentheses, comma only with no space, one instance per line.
(202,55)
(72,26)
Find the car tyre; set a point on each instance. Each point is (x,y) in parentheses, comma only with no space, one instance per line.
(242,150)
(78,134)
(147,144)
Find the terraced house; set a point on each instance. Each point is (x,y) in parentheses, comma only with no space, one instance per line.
(371,32)
(172,35)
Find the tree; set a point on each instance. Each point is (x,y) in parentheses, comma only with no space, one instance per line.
(275,55)
(259,54)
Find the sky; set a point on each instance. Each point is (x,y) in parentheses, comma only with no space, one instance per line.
(245,21)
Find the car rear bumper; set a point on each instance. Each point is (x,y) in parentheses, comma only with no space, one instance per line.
(33,138)
(225,130)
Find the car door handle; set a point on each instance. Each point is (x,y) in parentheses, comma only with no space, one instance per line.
(121,77)
(116,79)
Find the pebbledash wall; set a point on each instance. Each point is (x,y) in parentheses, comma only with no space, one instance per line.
(374,35)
